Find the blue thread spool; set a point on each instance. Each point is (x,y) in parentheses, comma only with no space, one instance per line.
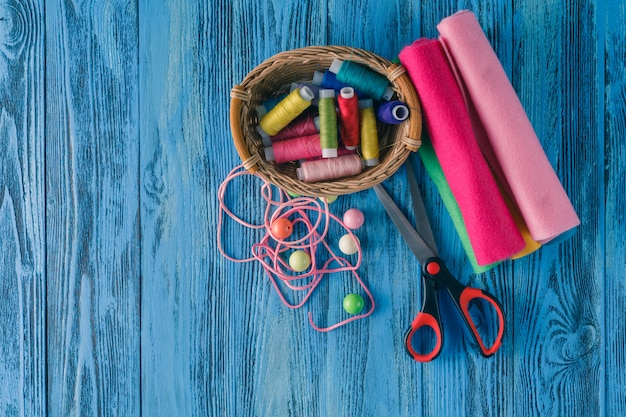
(268,105)
(363,79)
(392,112)
(329,80)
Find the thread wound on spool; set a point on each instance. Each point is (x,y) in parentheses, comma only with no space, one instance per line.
(328,123)
(285,111)
(294,149)
(392,112)
(330,168)
(362,79)
(349,114)
(302,126)
(369,133)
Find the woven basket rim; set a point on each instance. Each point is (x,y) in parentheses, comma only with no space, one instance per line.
(244,97)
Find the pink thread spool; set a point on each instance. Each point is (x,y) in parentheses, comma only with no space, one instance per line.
(302,126)
(330,168)
(294,149)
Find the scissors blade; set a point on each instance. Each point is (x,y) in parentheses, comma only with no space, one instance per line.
(413,239)
(422,224)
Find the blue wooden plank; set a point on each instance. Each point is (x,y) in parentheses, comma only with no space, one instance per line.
(180,363)
(560,325)
(22,210)
(612,45)
(92,213)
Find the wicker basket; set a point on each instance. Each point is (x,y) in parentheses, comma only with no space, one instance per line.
(276,74)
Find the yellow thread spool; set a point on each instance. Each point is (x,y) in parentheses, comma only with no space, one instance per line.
(369,132)
(284,112)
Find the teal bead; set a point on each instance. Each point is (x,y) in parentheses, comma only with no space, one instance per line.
(353,303)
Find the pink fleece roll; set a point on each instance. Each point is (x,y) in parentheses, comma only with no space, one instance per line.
(526,170)
(490,226)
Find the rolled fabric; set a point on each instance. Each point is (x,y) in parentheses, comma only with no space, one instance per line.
(526,171)
(490,226)
(433,169)
(483,143)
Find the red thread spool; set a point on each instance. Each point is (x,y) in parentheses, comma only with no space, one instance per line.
(349,113)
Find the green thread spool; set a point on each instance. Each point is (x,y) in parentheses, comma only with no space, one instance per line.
(284,112)
(362,79)
(369,132)
(328,123)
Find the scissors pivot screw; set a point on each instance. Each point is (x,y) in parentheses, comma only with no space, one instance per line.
(433,268)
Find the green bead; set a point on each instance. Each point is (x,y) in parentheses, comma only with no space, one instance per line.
(299,260)
(293,195)
(353,303)
(330,199)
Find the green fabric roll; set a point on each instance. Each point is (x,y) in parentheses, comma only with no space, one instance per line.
(433,168)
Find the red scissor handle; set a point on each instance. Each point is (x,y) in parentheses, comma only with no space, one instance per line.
(435,270)
(421,321)
(465,299)
(427,318)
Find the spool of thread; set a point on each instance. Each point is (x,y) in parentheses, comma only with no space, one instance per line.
(348,104)
(369,132)
(294,149)
(302,126)
(363,79)
(328,123)
(392,112)
(287,110)
(341,150)
(327,79)
(268,105)
(330,168)
(315,88)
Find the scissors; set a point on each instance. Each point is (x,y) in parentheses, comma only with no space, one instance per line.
(434,276)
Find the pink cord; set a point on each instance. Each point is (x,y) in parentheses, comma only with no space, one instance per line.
(305,213)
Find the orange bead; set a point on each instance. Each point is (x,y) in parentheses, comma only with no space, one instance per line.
(282,228)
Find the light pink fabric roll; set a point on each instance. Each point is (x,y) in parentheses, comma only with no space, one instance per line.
(534,185)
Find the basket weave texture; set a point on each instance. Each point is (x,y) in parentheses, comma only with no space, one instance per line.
(276,74)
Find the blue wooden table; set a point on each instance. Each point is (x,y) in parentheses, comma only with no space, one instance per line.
(114,137)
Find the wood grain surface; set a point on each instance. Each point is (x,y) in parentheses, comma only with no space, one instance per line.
(114,139)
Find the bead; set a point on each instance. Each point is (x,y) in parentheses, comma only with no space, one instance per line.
(348,245)
(282,228)
(299,260)
(353,303)
(329,198)
(293,195)
(353,218)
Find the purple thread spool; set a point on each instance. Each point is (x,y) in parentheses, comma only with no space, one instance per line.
(392,112)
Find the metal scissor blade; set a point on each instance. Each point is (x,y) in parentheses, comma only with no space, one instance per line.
(413,239)
(422,224)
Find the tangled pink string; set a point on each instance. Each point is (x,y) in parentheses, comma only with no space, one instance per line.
(268,250)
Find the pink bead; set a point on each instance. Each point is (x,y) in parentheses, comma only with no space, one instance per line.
(353,218)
